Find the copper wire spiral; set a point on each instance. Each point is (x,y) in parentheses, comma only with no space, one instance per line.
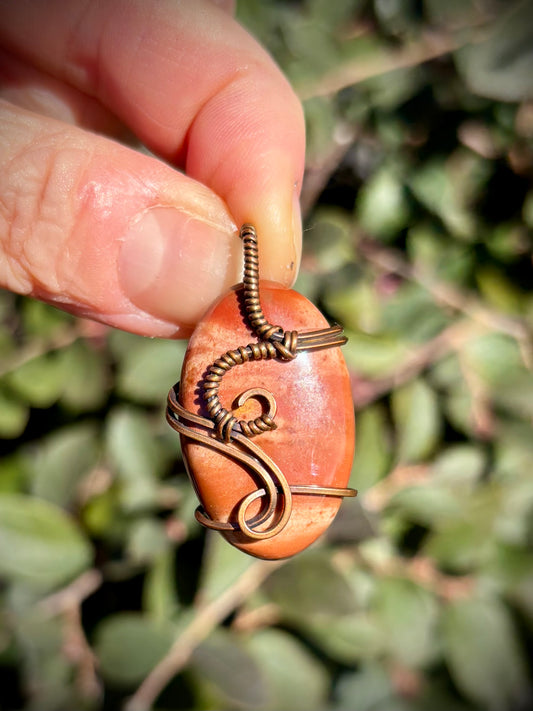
(274,343)
(269,522)
(230,436)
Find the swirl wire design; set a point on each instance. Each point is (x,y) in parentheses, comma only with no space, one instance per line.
(232,437)
(274,343)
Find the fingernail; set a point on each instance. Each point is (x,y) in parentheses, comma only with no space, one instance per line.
(173,265)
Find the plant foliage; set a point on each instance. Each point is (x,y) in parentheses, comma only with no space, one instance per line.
(418,232)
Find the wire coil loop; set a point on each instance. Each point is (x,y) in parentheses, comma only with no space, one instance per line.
(231,436)
(274,343)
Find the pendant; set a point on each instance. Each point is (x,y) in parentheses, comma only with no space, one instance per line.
(270,463)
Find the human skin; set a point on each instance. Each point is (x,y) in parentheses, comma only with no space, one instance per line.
(111,233)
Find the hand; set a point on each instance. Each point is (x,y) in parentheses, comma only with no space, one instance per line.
(113,234)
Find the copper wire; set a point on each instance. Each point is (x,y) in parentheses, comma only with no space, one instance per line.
(274,343)
(230,436)
(270,521)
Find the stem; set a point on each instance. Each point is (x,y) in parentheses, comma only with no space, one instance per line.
(73,594)
(450,339)
(357,71)
(391,261)
(39,348)
(207,618)
(66,603)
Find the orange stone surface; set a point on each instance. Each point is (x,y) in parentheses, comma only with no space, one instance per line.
(314,439)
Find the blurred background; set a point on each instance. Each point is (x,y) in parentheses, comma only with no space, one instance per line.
(418,205)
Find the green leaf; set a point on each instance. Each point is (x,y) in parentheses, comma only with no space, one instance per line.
(371,686)
(129,645)
(222,566)
(459,408)
(147,540)
(44,320)
(13,473)
(310,585)
(347,639)
(40,545)
(388,91)
(514,524)
(516,396)
(460,547)
(436,188)
(459,467)
(85,377)
(527,210)
(333,16)
(498,290)
(329,240)
(484,655)
(352,301)
(39,381)
(508,241)
(59,462)
(382,208)
(100,513)
(513,459)
(511,566)
(134,455)
(426,505)
(148,370)
(417,420)
(320,122)
(295,679)
(447,373)
(501,66)
(159,592)
(431,251)
(373,356)
(413,315)
(466,543)
(372,453)
(40,643)
(408,616)
(13,416)
(227,675)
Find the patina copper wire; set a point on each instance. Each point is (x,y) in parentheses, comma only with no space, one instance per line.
(230,436)
(270,521)
(274,343)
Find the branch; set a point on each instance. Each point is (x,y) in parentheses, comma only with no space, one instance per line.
(207,618)
(391,261)
(421,570)
(67,603)
(450,339)
(478,319)
(319,169)
(39,348)
(73,594)
(359,70)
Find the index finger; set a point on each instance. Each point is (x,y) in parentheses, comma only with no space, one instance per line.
(195,87)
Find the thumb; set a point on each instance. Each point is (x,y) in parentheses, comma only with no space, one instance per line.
(106,232)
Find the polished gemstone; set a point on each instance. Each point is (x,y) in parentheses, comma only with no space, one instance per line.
(313,443)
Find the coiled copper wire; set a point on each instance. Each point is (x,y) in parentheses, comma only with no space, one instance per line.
(275,487)
(274,343)
(232,436)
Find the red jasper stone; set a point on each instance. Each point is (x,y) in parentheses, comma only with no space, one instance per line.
(314,440)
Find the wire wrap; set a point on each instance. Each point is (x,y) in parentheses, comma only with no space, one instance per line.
(274,343)
(230,436)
